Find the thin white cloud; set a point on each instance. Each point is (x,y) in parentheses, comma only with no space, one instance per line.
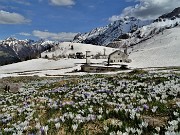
(62,2)
(12,18)
(24,2)
(24,34)
(148,9)
(63,36)
(91,6)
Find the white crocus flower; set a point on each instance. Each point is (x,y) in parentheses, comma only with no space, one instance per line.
(119,124)
(178,119)
(157,98)
(170,133)
(128,130)
(170,128)
(4,109)
(20,132)
(154,108)
(176,114)
(113,122)
(99,117)
(112,133)
(119,132)
(57,125)
(116,109)
(174,122)
(107,111)
(126,133)
(139,132)
(46,129)
(75,126)
(38,126)
(133,130)
(157,129)
(100,110)
(106,128)
(144,124)
(178,104)
(71,115)
(90,110)
(149,99)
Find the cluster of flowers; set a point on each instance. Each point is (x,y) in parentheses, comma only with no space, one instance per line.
(100,104)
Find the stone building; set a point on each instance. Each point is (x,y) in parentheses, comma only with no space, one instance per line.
(118,57)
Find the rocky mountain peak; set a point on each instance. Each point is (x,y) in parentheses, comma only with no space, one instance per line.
(10,39)
(105,35)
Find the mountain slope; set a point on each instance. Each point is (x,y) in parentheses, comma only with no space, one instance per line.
(13,50)
(7,55)
(160,51)
(146,32)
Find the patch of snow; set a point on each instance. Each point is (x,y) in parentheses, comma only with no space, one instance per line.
(35,65)
(160,51)
(44,67)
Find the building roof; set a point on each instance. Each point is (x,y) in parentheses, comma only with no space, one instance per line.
(117,51)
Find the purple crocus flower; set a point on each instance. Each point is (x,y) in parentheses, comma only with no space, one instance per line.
(118,106)
(42,131)
(86,95)
(4,121)
(145,106)
(137,109)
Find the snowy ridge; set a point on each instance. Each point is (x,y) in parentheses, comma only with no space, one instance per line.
(150,30)
(172,15)
(105,35)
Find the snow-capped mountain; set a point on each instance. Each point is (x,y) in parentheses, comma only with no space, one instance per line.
(129,30)
(107,34)
(166,21)
(14,50)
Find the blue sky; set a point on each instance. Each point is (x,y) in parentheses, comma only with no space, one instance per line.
(62,19)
